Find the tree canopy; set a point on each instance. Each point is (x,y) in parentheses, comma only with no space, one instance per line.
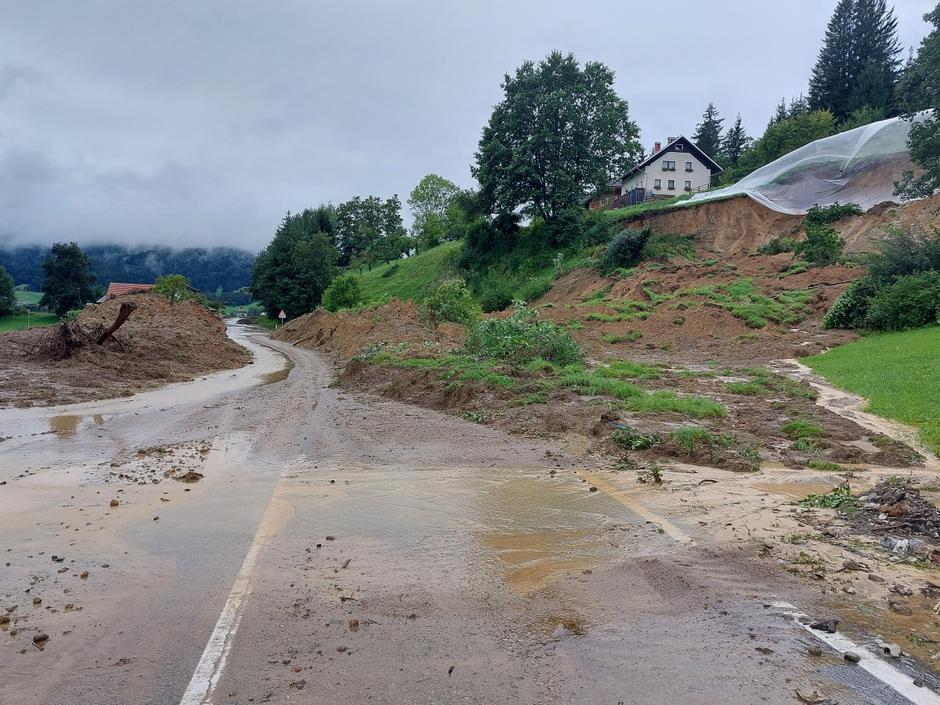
(176,288)
(293,271)
(559,133)
(370,230)
(920,90)
(734,143)
(68,282)
(858,63)
(434,211)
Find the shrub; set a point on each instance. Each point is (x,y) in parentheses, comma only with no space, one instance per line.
(902,252)
(851,308)
(911,301)
(823,215)
(822,245)
(521,338)
(451,301)
(343,292)
(631,439)
(777,246)
(625,249)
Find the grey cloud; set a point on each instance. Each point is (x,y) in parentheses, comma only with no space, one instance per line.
(201,123)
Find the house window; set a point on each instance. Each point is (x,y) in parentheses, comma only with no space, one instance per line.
(672,185)
(688,185)
(680,147)
(669,166)
(658,183)
(688,166)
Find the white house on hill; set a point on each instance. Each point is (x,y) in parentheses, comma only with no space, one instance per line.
(679,167)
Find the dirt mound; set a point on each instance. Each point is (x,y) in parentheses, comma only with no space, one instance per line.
(347,333)
(741,224)
(160,342)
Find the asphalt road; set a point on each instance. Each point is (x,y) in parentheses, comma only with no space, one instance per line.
(347,549)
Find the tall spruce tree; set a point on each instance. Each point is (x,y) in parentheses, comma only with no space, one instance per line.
(734,143)
(707,135)
(858,63)
(780,113)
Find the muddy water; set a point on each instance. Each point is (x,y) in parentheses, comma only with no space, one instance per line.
(267,366)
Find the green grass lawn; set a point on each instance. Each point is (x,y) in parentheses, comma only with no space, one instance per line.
(899,374)
(409,278)
(18,321)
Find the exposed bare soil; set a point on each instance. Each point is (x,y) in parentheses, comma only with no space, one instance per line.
(160,343)
(742,225)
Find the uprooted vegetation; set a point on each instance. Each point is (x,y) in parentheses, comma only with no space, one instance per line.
(157,342)
(529,376)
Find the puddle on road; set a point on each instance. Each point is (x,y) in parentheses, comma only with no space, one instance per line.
(66,425)
(542,531)
(278,375)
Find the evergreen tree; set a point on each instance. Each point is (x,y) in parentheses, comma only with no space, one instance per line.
(68,282)
(707,135)
(734,143)
(830,84)
(798,106)
(779,114)
(858,63)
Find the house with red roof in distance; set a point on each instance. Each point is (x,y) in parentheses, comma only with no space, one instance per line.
(116,289)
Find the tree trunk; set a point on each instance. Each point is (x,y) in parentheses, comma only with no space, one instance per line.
(127,309)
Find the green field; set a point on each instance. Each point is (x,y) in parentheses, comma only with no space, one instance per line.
(899,374)
(28,297)
(19,321)
(407,278)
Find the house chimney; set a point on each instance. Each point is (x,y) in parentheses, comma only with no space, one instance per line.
(670,140)
(656,147)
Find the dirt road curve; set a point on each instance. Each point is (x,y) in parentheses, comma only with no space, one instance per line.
(353,550)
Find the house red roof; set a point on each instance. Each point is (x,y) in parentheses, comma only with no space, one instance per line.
(116,289)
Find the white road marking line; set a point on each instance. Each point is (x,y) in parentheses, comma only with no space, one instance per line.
(879,668)
(637,507)
(212,663)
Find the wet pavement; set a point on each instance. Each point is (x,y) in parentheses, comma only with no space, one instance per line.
(342,549)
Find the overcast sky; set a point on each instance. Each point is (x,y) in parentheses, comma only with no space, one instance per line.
(198,122)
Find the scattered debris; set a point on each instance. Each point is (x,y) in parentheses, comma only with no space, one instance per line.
(899,507)
(825,625)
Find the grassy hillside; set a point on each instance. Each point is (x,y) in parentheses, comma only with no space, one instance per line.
(407,278)
(899,374)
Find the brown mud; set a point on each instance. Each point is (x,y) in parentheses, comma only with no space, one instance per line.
(160,343)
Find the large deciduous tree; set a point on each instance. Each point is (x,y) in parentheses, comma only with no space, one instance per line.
(370,230)
(68,282)
(560,132)
(919,89)
(707,135)
(293,271)
(432,204)
(858,63)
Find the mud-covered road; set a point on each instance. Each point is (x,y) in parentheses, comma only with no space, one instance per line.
(259,537)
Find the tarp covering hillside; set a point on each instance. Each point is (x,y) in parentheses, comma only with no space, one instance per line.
(858,166)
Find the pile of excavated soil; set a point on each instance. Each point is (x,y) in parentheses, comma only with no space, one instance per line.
(160,342)
(348,333)
(740,224)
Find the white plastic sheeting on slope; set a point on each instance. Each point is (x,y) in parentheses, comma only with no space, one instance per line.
(858,166)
